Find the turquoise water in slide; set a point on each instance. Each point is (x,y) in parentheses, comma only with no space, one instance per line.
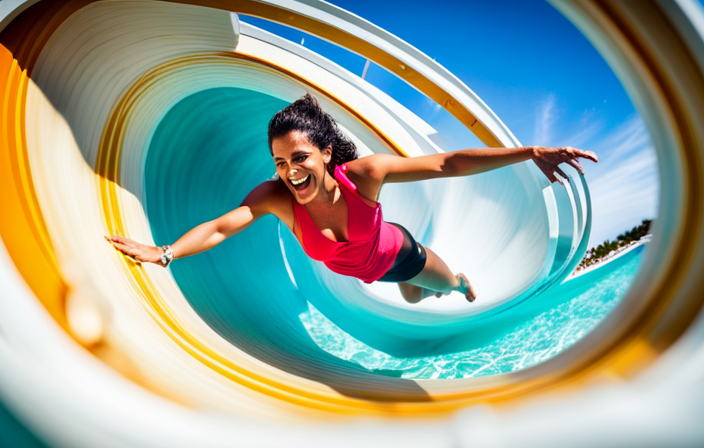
(571,311)
(209,151)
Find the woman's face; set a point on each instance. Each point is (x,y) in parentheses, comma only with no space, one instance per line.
(300,164)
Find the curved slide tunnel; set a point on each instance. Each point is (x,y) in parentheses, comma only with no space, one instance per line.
(146,118)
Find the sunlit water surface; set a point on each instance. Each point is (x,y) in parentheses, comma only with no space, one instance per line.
(575,308)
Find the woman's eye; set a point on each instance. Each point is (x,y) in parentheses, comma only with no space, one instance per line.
(301,158)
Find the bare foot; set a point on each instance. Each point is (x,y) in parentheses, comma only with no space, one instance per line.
(466,288)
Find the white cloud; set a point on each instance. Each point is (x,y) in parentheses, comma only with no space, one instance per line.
(544,121)
(588,129)
(624,185)
(548,132)
(626,140)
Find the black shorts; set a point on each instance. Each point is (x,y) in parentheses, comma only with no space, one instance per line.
(409,261)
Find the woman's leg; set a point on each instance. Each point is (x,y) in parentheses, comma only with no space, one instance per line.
(435,276)
(414,294)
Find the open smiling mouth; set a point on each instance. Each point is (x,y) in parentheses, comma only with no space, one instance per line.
(300,184)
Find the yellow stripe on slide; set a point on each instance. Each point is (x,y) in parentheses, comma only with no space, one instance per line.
(24,234)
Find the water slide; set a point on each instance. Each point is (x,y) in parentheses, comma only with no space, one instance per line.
(145,118)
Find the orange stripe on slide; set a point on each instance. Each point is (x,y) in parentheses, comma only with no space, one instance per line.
(25,233)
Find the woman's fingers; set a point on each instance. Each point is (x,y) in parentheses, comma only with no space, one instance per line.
(551,176)
(134,250)
(124,242)
(549,171)
(590,155)
(116,242)
(549,159)
(122,239)
(130,252)
(576,153)
(575,164)
(562,173)
(127,250)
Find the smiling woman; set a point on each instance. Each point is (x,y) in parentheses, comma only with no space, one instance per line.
(328,198)
(148,119)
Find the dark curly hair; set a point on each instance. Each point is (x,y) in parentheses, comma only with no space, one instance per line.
(307,116)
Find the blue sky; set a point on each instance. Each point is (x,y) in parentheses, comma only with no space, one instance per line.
(537,72)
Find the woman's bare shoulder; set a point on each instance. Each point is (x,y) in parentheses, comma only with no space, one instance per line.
(272,197)
(372,166)
(368,174)
(269,192)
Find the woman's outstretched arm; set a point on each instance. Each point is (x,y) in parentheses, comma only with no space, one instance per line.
(387,168)
(263,200)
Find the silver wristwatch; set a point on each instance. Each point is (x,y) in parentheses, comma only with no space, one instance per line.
(167,257)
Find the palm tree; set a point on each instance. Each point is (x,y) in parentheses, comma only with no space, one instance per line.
(595,254)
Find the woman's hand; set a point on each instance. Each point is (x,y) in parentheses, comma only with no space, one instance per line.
(548,160)
(138,251)
(270,197)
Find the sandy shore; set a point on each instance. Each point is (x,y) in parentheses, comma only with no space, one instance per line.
(609,258)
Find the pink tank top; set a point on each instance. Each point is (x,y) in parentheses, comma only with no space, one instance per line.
(373,243)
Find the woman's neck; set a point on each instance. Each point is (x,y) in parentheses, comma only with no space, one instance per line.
(328,193)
